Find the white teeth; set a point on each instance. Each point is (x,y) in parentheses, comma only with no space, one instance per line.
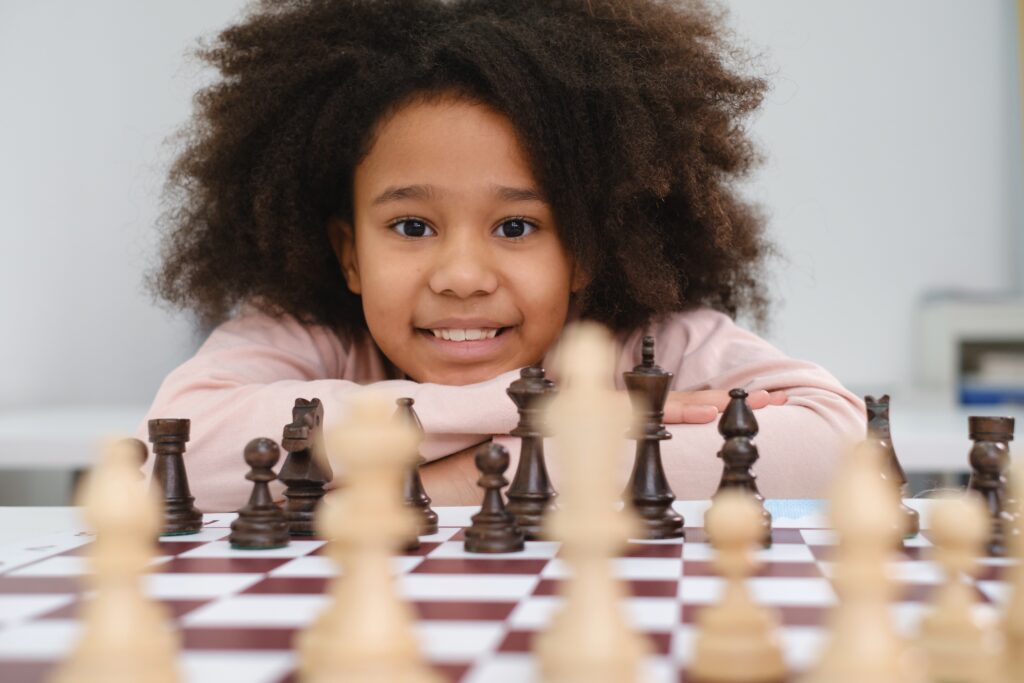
(475,334)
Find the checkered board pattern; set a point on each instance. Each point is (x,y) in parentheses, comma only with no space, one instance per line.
(238,612)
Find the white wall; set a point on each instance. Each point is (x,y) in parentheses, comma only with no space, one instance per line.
(894,167)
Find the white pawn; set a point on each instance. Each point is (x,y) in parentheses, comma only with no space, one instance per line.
(126,637)
(863,645)
(737,640)
(960,644)
(589,640)
(365,635)
(1013,616)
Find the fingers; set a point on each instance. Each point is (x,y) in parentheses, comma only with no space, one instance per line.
(678,413)
(701,407)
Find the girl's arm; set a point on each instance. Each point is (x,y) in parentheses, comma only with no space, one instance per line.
(243,382)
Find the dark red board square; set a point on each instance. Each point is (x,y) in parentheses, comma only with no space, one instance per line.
(438,610)
(289,585)
(522,641)
(638,588)
(39,584)
(768,569)
(238,638)
(27,671)
(481,565)
(221,565)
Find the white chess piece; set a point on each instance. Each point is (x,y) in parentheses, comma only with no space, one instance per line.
(126,637)
(365,634)
(863,644)
(960,643)
(1013,616)
(589,640)
(737,640)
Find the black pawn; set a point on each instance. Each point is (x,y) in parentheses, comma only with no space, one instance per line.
(531,495)
(412,486)
(739,426)
(648,490)
(879,433)
(261,525)
(990,457)
(306,470)
(169,437)
(494,529)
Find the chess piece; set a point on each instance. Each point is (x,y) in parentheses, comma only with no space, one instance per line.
(304,472)
(260,525)
(989,458)
(959,643)
(125,636)
(589,640)
(169,437)
(365,634)
(737,640)
(531,495)
(739,426)
(879,431)
(1013,614)
(141,451)
(648,488)
(415,495)
(863,644)
(494,529)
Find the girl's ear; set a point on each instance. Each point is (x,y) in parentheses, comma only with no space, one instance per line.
(580,278)
(343,241)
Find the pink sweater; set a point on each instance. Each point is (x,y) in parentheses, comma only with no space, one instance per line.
(243,381)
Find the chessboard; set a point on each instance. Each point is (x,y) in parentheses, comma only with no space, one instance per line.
(239,611)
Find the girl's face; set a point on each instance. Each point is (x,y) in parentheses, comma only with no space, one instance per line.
(454,252)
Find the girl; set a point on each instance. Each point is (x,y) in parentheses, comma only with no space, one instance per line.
(419,194)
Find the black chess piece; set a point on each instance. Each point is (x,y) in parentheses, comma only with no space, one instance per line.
(879,432)
(169,436)
(531,495)
(260,525)
(306,470)
(739,426)
(412,487)
(648,490)
(494,529)
(990,457)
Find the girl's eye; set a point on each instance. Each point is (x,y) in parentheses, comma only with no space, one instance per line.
(515,228)
(412,227)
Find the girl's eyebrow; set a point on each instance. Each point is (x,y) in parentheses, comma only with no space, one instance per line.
(423,192)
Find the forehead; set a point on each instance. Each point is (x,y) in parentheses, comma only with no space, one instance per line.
(455,144)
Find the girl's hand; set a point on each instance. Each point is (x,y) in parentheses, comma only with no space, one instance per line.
(700,407)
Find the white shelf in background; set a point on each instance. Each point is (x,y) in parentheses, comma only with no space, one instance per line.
(61,437)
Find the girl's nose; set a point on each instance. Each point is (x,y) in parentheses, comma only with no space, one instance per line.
(464,266)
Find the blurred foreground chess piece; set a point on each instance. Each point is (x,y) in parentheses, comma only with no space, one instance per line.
(863,644)
(365,634)
(960,643)
(589,640)
(648,489)
(739,453)
(170,480)
(305,471)
(990,458)
(415,495)
(1013,614)
(879,431)
(531,496)
(125,637)
(260,524)
(737,640)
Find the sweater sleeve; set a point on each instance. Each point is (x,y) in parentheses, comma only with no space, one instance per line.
(798,442)
(244,379)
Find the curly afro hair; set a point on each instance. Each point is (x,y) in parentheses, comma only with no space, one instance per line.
(629,112)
